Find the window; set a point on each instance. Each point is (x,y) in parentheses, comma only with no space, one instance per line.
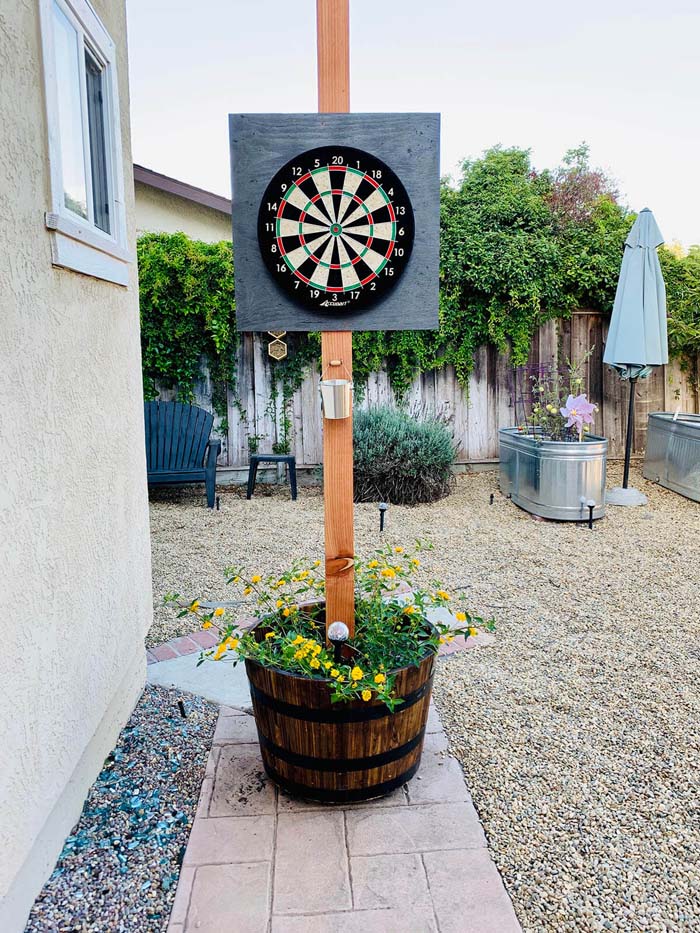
(87,188)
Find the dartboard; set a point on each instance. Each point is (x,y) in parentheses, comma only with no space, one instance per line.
(335,228)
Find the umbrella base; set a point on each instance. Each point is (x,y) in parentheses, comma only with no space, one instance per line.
(620,496)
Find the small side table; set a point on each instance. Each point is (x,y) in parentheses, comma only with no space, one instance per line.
(257,459)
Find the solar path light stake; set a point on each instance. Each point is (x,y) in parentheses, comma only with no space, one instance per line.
(338,634)
(591,506)
(383,506)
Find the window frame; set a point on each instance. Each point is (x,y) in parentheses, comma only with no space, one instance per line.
(77,243)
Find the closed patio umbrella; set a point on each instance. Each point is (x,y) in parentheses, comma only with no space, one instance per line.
(637,339)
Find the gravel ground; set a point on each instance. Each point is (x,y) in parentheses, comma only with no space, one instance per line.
(118,870)
(578,730)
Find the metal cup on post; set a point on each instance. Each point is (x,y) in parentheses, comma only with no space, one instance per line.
(336,396)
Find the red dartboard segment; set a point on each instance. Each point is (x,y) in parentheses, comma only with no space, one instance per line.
(334,227)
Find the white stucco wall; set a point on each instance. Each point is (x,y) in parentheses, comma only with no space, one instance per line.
(75,593)
(160,212)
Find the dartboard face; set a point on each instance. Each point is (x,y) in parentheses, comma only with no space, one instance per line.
(335,229)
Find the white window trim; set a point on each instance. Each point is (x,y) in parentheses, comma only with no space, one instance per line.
(76,243)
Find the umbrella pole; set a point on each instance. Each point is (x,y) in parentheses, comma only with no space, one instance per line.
(630,431)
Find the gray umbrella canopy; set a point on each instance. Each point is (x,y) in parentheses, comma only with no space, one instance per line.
(637,337)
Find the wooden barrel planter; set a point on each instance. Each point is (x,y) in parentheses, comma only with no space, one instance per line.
(338,752)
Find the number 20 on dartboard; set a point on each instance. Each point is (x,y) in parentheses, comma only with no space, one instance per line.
(336,228)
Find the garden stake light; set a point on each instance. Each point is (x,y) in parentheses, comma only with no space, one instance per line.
(338,634)
(383,506)
(591,506)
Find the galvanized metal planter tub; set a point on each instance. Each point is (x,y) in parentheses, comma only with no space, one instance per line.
(554,479)
(673,453)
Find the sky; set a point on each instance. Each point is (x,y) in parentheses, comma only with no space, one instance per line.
(543,75)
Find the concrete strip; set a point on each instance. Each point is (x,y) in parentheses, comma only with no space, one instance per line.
(218,681)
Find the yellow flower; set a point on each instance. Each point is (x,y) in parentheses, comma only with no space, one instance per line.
(220,611)
(317,563)
(279,604)
(194,606)
(298,655)
(450,638)
(415,562)
(341,679)
(398,569)
(286,612)
(335,672)
(236,579)
(256,579)
(315,663)
(247,591)
(398,550)
(373,563)
(270,635)
(280,583)
(366,695)
(326,664)
(357,673)
(473,631)
(388,572)
(298,640)
(442,594)
(380,678)
(206,624)
(461,616)
(303,575)
(231,642)
(316,650)
(409,610)
(220,651)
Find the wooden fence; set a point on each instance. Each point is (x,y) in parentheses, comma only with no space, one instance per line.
(473,416)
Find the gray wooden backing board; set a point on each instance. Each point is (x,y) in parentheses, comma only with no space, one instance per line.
(407,142)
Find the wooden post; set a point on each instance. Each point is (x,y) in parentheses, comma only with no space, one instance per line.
(333,42)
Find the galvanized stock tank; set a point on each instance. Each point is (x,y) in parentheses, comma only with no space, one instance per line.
(673,452)
(554,479)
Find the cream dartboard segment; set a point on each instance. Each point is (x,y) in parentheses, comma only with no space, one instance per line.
(335,229)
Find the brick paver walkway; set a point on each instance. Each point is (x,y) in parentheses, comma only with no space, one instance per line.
(259,862)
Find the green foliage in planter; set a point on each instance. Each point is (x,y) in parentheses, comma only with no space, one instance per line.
(187,312)
(401,460)
(389,633)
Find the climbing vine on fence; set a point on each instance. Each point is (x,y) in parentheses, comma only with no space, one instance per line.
(188,312)
(682,277)
(518,247)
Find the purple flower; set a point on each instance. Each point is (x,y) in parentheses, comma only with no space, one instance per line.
(578,411)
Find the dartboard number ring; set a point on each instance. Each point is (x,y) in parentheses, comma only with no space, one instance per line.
(336,229)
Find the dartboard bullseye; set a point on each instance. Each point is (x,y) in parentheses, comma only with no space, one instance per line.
(336,228)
